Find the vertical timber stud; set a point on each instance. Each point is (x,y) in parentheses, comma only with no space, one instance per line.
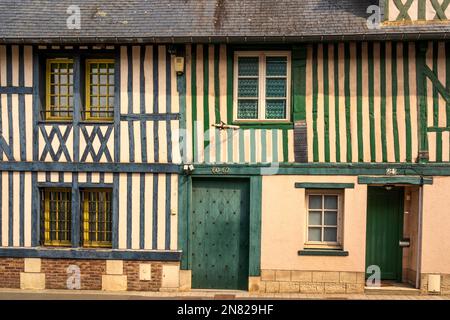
(255,226)
(299,103)
(35,191)
(181,87)
(421,14)
(421,49)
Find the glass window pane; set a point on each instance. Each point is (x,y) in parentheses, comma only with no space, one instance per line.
(275,88)
(94,68)
(330,234)
(103,90)
(103,79)
(63,79)
(94,79)
(248,88)
(247,109)
(275,109)
(315,202)
(314,234)
(315,218)
(276,66)
(331,202)
(248,66)
(330,218)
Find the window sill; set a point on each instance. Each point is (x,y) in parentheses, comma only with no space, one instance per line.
(323,252)
(264,124)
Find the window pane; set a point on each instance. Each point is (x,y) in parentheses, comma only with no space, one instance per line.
(275,109)
(247,109)
(248,88)
(276,66)
(314,234)
(275,88)
(331,202)
(315,202)
(330,234)
(330,218)
(248,66)
(315,218)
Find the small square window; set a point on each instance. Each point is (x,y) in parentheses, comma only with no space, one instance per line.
(324,218)
(262,86)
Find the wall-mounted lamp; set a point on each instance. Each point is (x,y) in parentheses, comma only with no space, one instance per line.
(188,168)
(388,187)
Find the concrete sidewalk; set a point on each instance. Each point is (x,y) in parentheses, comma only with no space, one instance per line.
(16,294)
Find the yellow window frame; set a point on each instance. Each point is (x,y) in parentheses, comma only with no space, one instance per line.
(47,240)
(48,111)
(86,230)
(88,115)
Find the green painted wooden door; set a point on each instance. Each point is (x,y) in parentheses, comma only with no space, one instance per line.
(219,234)
(384,231)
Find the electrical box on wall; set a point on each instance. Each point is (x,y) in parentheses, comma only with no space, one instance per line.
(434,283)
(179,65)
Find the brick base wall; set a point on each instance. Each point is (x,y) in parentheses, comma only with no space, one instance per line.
(56,275)
(286,281)
(131,270)
(92,273)
(10,269)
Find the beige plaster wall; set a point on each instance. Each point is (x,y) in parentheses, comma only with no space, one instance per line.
(436,227)
(284,225)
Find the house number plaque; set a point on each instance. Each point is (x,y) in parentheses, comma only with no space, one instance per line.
(220,170)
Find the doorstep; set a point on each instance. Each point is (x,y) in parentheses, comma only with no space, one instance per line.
(392,288)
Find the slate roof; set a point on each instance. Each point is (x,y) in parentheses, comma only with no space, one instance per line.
(199,21)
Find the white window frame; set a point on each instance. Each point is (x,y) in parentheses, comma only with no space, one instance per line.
(262,55)
(340,213)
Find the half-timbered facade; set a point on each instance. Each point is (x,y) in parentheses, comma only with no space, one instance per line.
(185,147)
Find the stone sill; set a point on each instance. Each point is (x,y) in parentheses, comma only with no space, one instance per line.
(323,252)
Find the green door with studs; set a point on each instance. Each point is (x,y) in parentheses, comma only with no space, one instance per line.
(384,231)
(219,234)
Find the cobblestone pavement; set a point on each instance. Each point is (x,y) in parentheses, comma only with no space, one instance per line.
(15,294)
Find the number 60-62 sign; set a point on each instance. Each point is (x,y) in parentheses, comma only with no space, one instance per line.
(220,170)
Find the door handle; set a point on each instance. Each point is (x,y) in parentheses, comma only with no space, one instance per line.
(404,243)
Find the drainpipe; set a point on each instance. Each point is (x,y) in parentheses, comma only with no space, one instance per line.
(419,235)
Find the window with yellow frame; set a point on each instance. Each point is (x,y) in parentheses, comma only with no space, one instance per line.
(59,87)
(99,89)
(57,216)
(97,217)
